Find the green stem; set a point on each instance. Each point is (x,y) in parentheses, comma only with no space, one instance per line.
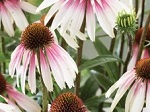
(79,59)
(143,37)
(44,89)
(130,40)
(142,14)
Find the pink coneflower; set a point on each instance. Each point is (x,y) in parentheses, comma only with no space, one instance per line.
(37,43)
(70,15)
(6,107)
(67,102)
(139,80)
(10,11)
(23,101)
(145,53)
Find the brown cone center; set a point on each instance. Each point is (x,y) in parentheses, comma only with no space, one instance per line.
(68,102)
(36,36)
(143,68)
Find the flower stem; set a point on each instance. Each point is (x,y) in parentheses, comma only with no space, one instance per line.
(143,37)
(142,14)
(130,40)
(79,58)
(44,89)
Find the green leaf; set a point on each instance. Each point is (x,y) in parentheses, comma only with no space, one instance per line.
(101,79)
(99,61)
(4,57)
(91,85)
(111,68)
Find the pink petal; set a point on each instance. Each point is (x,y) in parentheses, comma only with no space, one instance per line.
(26,56)
(46,73)
(24,101)
(148,97)
(31,74)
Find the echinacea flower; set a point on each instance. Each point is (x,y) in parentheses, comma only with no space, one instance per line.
(69,15)
(139,94)
(67,102)
(145,53)
(11,11)
(22,100)
(38,49)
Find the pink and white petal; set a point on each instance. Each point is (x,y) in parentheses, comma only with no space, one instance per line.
(66,56)
(23,101)
(46,73)
(16,58)
(77,18)
(129,97)
(17,14)
(68,17)
(27,7)
(70,41)
(90,21)
(134,57)
(121,92)
(52,11)
(103,20)
(56,69)
(61,15)
(68,74)
(6,107)
(148,97)
(81,35)
(0,16)
(27,54)
(145,53)
(7,21)
(139,97)
(45,4)
(31,74)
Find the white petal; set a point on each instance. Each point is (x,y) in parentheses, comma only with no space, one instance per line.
(77,19)
(56,69)
(31,74)
(17,14)
(138,99)
(24,101)
(46,73)
(27,54)
(148,97)
(6,107)
(52,11)
(7,22)
(27,7)
(90,21)
(45,4)
(122,89)
(129,97)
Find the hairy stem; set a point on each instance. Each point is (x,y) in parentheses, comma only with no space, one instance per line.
(143,37)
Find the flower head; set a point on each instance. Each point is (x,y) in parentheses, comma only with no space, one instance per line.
(11,11)
(145,53)
(67,102)
(23,101)
(67,20)
(139,80)
(38,49)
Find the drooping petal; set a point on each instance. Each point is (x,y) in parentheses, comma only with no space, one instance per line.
(17,14)
(46,73)
(24,101)
(16,58)
(45,4)
(122,89)
(31,74)
(148,97)
(7,21)
(26,60)
(129,97)
(56,69)
(27,7)
(138,99)
(90,21)
(60,16)
(6,107)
